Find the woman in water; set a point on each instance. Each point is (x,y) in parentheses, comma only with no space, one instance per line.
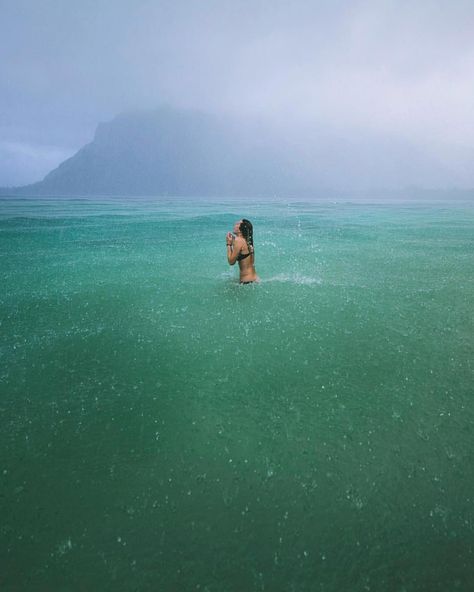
(240,248)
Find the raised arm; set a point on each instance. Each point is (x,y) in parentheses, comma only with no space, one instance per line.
(233,249)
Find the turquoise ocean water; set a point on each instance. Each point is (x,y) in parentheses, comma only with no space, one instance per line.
(165,429)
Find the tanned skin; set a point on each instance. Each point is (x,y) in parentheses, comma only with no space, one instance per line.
(237,245)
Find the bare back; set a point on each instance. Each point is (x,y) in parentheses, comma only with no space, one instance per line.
(246,259)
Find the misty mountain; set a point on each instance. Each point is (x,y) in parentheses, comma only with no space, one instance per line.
(171,152)
(188,153)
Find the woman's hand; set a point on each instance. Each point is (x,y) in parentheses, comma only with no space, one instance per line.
(229,239)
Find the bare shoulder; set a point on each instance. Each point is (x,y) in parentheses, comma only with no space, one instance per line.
(239,242)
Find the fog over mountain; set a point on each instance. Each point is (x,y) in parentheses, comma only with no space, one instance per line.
(180,152)
(360,94)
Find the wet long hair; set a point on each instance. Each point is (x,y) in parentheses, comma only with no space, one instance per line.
(246,229)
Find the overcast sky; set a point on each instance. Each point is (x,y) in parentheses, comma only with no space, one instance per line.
(404,69)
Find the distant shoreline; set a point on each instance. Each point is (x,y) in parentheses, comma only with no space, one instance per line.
(430,197)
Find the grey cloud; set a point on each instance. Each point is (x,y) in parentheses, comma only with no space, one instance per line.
(22,163)
(398,68)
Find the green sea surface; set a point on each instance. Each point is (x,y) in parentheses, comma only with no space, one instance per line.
(164,428)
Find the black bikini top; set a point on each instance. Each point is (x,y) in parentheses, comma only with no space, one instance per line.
(241,256)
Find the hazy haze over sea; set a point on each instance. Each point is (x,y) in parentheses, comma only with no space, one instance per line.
(385,88)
